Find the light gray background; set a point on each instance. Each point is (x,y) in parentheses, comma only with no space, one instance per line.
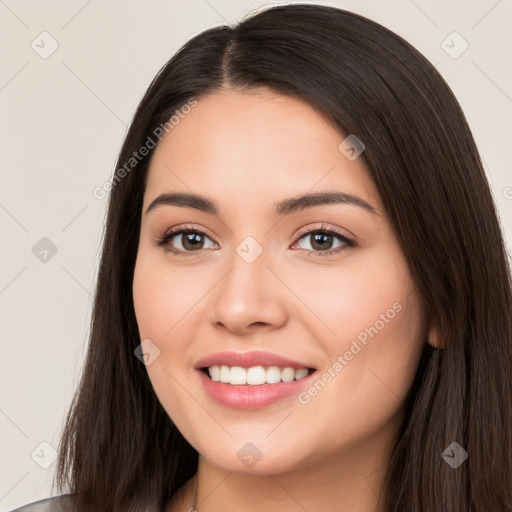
(63,121)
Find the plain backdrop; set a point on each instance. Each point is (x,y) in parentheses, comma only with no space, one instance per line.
(71,76)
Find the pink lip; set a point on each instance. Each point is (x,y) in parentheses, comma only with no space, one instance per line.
(248,359)
(251,397)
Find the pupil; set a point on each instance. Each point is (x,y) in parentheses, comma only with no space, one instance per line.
(321,239)
(191,238)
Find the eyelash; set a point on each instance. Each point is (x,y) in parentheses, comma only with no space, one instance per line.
(163,241)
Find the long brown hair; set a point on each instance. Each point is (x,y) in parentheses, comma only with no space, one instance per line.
(120,452)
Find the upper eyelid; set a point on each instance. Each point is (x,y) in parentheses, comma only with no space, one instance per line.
(335,231)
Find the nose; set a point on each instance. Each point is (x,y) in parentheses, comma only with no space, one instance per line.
(249,298)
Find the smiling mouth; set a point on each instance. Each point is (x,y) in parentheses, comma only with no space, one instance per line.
(255,375)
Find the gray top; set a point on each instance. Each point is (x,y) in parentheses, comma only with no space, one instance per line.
(55,504)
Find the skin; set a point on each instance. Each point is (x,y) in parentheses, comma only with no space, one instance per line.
(246,151)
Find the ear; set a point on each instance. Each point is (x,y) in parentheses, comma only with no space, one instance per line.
(433,338)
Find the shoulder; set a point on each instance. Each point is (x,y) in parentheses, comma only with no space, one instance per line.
(55,504)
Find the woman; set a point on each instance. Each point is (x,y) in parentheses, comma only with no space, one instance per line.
(304,299)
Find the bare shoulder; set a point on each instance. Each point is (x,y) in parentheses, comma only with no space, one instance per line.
(54,504)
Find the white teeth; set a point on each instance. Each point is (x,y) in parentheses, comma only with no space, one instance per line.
(237,375)
(255,375)
(273,375)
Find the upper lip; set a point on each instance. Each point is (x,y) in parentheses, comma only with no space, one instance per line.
(248,359)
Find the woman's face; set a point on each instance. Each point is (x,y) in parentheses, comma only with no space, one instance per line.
(249,278)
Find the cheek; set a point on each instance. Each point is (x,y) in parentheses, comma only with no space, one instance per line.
(148,289)
(352,296)
(375,325)
(162,296)
(161,301)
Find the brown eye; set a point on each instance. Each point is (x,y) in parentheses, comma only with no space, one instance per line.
(323,241)
(191,240)
(183,241)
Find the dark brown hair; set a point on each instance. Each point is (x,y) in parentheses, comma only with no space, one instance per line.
(120,452)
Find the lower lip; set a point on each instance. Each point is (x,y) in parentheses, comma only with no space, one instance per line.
(251,397)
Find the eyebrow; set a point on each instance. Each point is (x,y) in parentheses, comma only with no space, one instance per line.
(286,207)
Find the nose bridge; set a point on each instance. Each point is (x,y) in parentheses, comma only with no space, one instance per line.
(246,295)
(249,275)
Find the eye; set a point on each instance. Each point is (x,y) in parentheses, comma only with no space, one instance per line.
(322,241)
(190,239)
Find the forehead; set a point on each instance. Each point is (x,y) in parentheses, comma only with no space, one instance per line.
(254,146)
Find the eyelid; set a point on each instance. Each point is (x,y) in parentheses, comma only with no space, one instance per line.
(176,230)
(164,239)
(324,227)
